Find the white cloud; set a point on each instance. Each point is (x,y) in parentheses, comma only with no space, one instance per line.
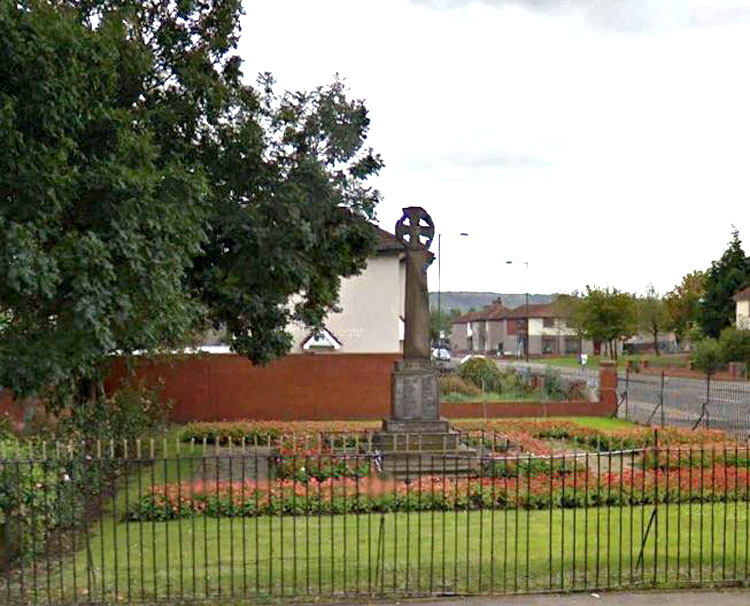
(601,157)
(625,15)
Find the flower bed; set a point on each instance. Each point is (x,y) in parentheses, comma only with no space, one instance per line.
(372,494)
(534,436)
(526,436)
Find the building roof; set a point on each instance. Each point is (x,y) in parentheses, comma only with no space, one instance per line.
(544,310)
(743,295)
(496,311)
(387,242)
(468,317)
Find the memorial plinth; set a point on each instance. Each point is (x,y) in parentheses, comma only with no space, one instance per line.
(414,425)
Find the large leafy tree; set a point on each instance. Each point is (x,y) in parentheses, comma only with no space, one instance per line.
(652,315)
(607,315)
(681,304)
(724,278)
(147,191)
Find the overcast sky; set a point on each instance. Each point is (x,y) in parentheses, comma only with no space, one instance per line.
(606,142)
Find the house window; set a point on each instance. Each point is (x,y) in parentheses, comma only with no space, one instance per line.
(322,340)
(572,345)
(549,345)
(549,322)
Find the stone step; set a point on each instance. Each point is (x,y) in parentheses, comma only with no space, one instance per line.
(404,467)
(412,465)
(395,442)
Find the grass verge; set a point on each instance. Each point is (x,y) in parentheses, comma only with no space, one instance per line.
(403,553)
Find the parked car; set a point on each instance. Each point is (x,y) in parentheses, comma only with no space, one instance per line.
(441,354)
(470,356)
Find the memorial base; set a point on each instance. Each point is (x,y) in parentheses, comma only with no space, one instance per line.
(415,440)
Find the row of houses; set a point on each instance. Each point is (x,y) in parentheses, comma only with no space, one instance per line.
(497,330)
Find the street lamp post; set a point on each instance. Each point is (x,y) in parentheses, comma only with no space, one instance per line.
(440,312)
(527,337)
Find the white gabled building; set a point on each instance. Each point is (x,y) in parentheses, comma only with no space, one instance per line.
(372,308)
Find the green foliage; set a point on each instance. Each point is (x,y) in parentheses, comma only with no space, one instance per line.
(442,321)
(482,373)
(451,384)
(652,315)
(607,315)
(147,192)
(132,413)
(681,304)
(734,345)
(305,468)
(708,355)
(237,432)
(554,387)
(724,278)
(485,377)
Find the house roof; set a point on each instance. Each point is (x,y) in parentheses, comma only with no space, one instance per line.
(387,242)
(468,317)
(743,295)
(544,310)
(496,311)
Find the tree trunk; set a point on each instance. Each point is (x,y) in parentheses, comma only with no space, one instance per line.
(656,341)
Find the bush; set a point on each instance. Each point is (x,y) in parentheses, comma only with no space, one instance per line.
(554,387)
(481,372)
(707,355)
(133,412)
(455,384)
(62,491)
(734,345)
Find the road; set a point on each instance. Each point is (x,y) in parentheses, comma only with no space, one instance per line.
(727,403)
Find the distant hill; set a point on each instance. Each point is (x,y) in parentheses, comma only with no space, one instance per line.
(477,300)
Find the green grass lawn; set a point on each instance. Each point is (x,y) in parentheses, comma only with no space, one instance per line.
(607,423)
(451,552)
(489,396)
(673,360)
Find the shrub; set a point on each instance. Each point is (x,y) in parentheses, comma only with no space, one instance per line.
(481,372)
(707,355)
(554,387)
(60,490)
(734,345)
(37,498)
(455,384)
(133,412)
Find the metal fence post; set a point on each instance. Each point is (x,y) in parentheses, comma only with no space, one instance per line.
(661,399)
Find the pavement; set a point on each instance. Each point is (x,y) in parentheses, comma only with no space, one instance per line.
(650,598)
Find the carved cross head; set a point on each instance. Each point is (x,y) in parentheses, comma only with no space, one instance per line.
(415,228)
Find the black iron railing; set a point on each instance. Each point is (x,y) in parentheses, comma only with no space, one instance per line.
(195,522)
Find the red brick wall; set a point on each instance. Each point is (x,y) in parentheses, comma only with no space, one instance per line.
(310,387)
(305,387)
(8,406)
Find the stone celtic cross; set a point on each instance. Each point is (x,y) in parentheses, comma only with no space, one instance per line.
(410,224)
(414,225)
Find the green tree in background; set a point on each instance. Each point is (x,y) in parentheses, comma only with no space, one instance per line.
(607,315)
(147,192)
(652,315)
(724,278)
(681,304)
(442,322)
